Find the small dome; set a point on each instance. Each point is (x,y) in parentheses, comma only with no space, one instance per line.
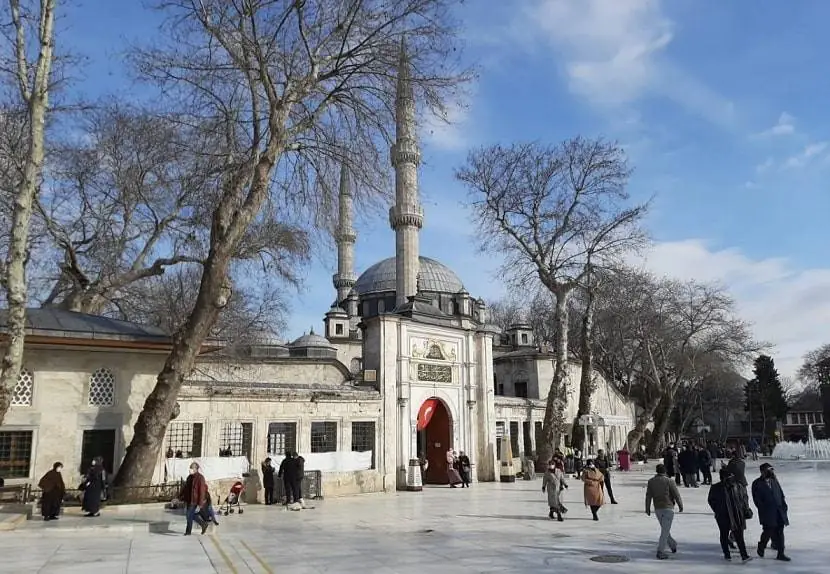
(433,276)
(311,340)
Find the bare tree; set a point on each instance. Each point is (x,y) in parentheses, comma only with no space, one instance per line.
(659,336)
(554,212)
(31,30)
(289,90)
(815,371)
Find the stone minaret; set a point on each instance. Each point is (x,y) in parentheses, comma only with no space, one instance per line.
(406,217)
(345,238)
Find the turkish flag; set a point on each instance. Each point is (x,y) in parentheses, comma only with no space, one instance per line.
(426,412)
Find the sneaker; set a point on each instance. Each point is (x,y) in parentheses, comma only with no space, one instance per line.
(662,556)
(746,559)
(205,527)
(673,548)
(727,557)
(761,550)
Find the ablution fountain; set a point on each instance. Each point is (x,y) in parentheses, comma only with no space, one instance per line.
(811,450)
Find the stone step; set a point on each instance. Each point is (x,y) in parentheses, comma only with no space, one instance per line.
(13,515)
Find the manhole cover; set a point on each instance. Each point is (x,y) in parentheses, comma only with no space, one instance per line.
(609,559)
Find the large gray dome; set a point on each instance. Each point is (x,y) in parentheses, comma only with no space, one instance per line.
(432,276)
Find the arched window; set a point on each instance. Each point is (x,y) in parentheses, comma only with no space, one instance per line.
(102,388)
(24,389)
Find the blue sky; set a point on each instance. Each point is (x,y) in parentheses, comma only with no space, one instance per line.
(721,106)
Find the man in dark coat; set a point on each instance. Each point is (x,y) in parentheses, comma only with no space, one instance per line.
(687,459)
(287,470)
(268,471)
(771,503)
(730,503)
(704,462)
(299,474)
(737,466)
(604,464)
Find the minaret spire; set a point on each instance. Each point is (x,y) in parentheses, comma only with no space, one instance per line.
(406,217)
(345,238)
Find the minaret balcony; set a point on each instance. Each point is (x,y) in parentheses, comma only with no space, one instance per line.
(405,151)
(345,236)
(342,281)
(406,216)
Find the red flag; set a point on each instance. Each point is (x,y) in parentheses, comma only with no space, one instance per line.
(426,412)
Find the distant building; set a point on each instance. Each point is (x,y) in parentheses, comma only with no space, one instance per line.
(805,411)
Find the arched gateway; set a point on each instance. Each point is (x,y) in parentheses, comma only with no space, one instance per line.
(434,438)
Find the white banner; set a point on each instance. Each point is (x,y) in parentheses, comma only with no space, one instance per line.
(332,461)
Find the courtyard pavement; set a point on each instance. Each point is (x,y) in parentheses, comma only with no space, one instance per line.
(488,528)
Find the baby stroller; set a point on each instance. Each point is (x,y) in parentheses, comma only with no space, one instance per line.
(232,501)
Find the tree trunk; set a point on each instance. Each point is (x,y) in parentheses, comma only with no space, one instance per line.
(586,378)
(36,98)
(662,416)
(148,434)
(557,401)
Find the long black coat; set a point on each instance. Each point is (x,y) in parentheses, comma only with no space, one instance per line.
(288,470)
(737,467)
(669,457)
(687,460)
(771,503)
(94,483)
(268,475)
(730,503)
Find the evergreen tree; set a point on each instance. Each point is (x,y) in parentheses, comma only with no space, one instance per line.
(764,394)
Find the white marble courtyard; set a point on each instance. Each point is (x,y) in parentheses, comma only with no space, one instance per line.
(489,528)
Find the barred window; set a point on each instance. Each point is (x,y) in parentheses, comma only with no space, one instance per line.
(324,437)
(15,453)
(499,435)
(282,437)
(102,388)
(24,389)
(514,438)
(526,436)
(363,438)
(537,430)
(236,439)
(184,440)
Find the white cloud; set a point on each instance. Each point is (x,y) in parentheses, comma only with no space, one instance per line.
(784,127)
(788,307)
(806,156)
(614,53)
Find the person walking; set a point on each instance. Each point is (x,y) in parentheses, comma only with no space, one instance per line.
(464,469)
(662,492)
(297,482)
(52,490)
(704,462)
(771,503)
(737,467)
(593,488)
(195,496)
(286,472)
(730,503)
(604,465)
(268,472)
(94,486)
(687,459)
(453,477)
(554,483)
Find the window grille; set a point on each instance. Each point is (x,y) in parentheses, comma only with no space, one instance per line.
(324,437)
(15,454)
(23,390)
(363,438)
(282,437)
(526,436)
(185,439)
(236,439)
(102,388)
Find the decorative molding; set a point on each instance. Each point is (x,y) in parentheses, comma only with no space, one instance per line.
(471,403)
(402,401)
(433,349)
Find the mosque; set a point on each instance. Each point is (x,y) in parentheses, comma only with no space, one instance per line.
(406,365)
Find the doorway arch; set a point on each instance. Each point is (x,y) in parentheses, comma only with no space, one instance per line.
(434,439)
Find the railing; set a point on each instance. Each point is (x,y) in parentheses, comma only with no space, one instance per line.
(120,495)
(16,494)
(312,486)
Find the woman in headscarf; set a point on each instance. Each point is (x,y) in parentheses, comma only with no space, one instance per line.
(52,490)
(94,487)
(593,488)
(730,503)
(452,474)
(553,483)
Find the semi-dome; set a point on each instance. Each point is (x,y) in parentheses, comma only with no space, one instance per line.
(432,276)
(311,340)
